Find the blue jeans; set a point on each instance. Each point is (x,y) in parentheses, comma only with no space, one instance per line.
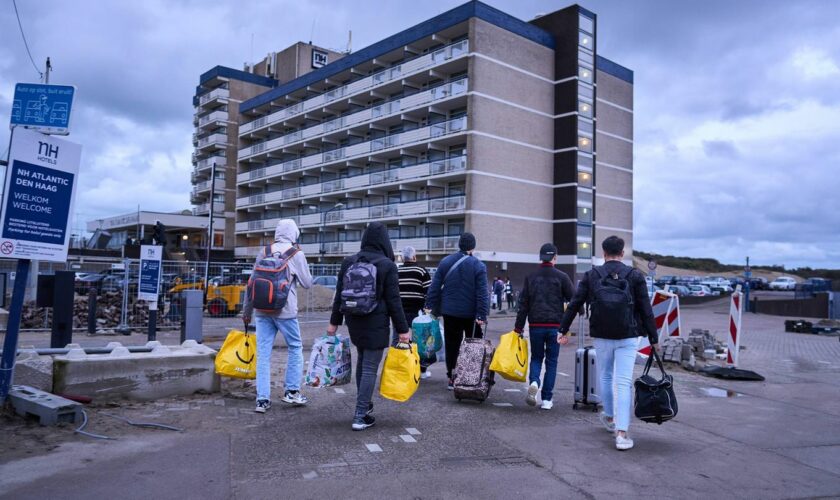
(267,327)
(615,364)
(367,366)
(544,345)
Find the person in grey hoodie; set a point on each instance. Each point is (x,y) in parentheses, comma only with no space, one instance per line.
(285,321)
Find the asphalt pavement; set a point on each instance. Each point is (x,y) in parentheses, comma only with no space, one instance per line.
(771,439)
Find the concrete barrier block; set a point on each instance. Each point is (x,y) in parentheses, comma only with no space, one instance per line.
(34,370)
(171,371)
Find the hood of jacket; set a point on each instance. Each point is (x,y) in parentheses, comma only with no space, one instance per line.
(375,239)
(286,231)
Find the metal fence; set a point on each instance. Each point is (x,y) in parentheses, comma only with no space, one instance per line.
(114,283)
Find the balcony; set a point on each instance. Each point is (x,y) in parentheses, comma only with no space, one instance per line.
(204,209)
(422,134)
(206,163)
(404,173)
(220,94)
(443,91)
(212,141)
(212,118)
(436,244)
(203,187)
(433,206)
(402,70)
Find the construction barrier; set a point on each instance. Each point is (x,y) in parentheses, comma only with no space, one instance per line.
(733,341)
(666,314)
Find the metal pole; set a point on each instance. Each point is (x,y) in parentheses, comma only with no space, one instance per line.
(210,232)
(7,363)
(123,328)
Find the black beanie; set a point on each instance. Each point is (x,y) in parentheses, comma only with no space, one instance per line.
(466,242)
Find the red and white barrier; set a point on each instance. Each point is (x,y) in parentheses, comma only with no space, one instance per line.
(666,314)
(736,310)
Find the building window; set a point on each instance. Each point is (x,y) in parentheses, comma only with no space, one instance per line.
(584,214)
(584,231)
(585,144)
(582,267)
(584,250)
(584,161)
(586,24)
(218,239)
(586,92)
(584,196)
(585,74)
(586,57)
(455,227)
(585,108)
(586,127)
(457,189)
(586,40)
(584,178)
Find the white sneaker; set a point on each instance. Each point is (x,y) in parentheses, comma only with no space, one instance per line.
(533,389)
(623,443)
(426,374)
(608,425)
(546,404)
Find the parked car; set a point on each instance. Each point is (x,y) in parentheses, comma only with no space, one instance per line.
(701,291)
(758,284)
(817,285)
(783,283)
(325,281)
(666,280)
(679,290)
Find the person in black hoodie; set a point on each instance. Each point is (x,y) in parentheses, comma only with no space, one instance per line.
(541,301)
(370,333)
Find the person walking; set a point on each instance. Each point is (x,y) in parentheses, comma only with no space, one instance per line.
(414,284)
(509,293)
(498,290)
(620,313)
(459,293)
(370,332)
(541,302)
(285,320)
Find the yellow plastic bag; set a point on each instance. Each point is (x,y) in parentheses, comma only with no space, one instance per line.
(238,356)
(401,373)
(511,357)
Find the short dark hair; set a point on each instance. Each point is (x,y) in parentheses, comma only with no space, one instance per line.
(613,246)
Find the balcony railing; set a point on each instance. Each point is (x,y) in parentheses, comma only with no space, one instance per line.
(215,116)
(204,187)
(218,160)
(212,140)
(403,69)
(204,209)
(213,94)
(440,92)
(435,244)
(361,149)
(407,172)
(361,214)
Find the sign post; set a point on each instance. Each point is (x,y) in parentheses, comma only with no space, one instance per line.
(747,275)
(149,285)
(40,192)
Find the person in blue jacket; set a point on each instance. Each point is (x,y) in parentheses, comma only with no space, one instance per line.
(459,294)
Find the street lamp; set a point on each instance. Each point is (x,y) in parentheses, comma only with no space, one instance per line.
(337,206)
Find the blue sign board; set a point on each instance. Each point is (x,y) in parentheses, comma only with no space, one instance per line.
(45,108)
(150,257)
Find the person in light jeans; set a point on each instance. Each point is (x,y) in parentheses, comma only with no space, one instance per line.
(615,341)
(283,321)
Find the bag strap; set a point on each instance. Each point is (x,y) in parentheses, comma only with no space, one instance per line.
(454,266)
(654,356)
(246,325)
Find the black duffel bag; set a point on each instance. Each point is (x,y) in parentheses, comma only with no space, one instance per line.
(655,399)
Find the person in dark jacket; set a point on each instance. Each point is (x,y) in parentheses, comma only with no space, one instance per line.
(498,290)
(459,294)
(371,333)
(541,302)
(616,349)
(509,293)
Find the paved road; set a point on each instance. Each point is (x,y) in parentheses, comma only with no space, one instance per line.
(773,439)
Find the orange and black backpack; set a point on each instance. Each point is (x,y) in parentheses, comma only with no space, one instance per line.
(269,285)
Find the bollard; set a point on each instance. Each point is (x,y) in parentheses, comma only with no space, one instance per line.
(152,322)
(92,297)
(62,304)
(192,313)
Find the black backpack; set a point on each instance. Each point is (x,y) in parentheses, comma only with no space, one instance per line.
(271,280)
(612,311)
(358,288)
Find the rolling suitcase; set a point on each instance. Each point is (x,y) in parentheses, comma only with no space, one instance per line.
(473,378)
(586,373)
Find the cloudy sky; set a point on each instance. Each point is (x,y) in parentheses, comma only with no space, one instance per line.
(737,112)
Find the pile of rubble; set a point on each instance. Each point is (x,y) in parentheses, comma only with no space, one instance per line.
(693,353)
(108,312)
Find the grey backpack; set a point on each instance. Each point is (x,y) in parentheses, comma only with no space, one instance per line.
(358,288)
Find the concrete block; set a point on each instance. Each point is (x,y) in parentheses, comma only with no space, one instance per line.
(49,408)
(34,370)
(166,371)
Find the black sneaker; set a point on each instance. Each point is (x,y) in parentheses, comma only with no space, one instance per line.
(360,424)
(262,405)
(294,398)
(370,409)
(451,385)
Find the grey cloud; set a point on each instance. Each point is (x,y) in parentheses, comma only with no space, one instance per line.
(720,149)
